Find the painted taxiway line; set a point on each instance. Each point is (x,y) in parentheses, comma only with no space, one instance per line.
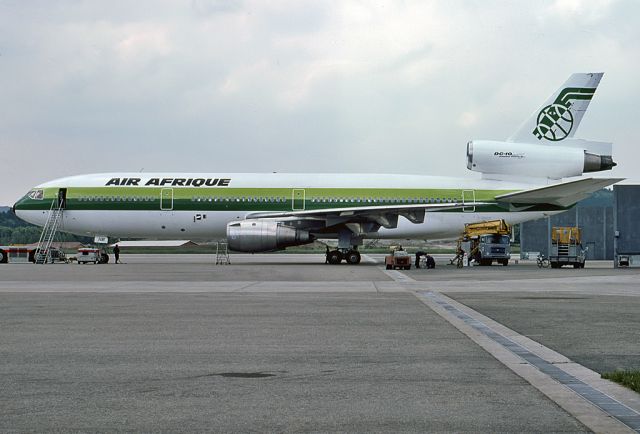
(600,405)
(396,275)
(368,259)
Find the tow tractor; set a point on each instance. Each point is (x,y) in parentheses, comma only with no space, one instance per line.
(399,258)
(486,242)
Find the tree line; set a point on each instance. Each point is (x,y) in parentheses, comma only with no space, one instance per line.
(16,231)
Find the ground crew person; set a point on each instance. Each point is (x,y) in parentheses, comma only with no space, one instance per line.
(326,256)
(116,252)
(418,255)
(431,263)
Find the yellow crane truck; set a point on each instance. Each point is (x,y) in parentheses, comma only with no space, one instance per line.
(486,242)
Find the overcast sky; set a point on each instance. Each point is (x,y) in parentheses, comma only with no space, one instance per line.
(295,86)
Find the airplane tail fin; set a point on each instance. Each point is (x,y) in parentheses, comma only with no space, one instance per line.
(545,147)
(560,115)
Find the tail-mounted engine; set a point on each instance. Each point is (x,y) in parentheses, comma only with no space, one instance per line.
(534,160)
(261,235)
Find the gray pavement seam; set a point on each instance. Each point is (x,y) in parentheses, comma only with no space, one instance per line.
(594,408)
(246,286)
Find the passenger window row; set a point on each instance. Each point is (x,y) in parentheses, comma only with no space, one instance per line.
(371,200)
(320,200)
(239,199)
(116,199)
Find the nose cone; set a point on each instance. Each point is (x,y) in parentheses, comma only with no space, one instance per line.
(18,208)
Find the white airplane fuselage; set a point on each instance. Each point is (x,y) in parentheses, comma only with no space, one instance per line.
(156,205)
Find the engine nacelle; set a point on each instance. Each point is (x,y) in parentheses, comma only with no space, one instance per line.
(533,160)
(264,235)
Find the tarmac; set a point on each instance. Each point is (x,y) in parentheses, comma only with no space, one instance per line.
(283,342)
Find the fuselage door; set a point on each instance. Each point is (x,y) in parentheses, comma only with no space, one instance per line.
(62,198)
(166,199)
(297,203)
(468,200)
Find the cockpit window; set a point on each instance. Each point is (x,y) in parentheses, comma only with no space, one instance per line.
(36,194)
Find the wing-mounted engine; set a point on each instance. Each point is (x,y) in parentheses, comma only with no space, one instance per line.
(536,161)
(263,235)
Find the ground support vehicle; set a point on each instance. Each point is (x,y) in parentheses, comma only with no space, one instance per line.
(22,254)
(566,247)
(55,255)
(398,259)
(16,254)
(487,242)
(91,254)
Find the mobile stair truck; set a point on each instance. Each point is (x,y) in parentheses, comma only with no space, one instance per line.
(487,242)
(566,247)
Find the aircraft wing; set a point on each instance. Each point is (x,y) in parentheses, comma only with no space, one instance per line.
(385,215)
(564,194)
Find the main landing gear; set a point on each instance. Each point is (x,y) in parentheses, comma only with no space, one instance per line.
(351,256)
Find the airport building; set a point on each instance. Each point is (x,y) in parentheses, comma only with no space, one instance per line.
(609,221)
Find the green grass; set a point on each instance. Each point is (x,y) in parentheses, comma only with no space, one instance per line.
(630,379)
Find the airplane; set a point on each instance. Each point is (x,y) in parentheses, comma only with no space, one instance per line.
(521,180)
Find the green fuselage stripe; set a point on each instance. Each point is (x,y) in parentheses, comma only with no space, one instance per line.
(248,199)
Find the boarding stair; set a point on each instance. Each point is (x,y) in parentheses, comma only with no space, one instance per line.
(222,254)
(54,219)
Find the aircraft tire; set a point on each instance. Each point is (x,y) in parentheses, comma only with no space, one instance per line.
(335,257)
(353,257)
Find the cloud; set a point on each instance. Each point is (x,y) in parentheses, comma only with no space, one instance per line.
(468,119)
(323,86)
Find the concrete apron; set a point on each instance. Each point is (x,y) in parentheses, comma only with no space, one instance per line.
(601,405)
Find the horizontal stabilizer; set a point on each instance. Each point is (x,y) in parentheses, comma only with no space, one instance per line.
(565,194)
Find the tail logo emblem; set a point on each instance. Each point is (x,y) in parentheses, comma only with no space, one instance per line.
(555,121)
